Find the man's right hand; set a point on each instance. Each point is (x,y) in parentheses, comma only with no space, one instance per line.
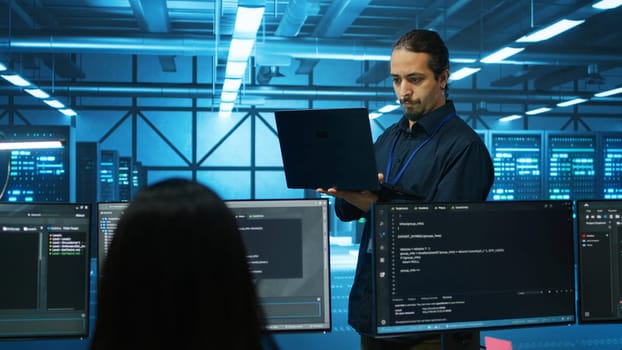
(362,200)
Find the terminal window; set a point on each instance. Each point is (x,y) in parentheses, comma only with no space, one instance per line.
(451,266)
(288,251)
(44,267)
(287,242)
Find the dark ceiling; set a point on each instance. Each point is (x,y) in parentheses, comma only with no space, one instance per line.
(584,60)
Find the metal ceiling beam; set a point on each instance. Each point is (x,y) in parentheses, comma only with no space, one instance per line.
(380,70)
(60,64)
(338,17)
(295,17)
(106,89)
(152,17)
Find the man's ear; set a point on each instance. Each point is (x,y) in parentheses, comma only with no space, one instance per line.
(443,78)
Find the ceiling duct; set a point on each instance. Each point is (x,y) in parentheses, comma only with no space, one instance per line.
(103,89)
(266,73)
(593,75)
(295,17)
(300,48)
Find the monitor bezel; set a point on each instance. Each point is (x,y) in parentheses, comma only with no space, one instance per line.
(477,324)
(323,203)
(600,203)
(87,311)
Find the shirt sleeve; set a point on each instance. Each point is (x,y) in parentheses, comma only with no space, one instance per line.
(469,178)
(346,211)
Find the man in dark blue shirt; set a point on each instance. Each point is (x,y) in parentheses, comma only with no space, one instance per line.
(430,155)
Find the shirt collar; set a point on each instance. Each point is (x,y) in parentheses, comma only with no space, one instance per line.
(430,121)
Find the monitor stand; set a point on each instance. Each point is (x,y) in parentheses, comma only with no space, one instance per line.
(467,340)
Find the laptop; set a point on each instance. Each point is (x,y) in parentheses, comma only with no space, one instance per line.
(323,148)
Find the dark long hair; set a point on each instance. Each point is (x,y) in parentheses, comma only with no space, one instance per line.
(176,275)
(423,40)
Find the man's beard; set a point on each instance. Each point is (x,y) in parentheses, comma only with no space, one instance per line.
(410,112)
(413,116)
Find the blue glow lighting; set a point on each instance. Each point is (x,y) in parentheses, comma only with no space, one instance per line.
(231,84)
(2,67)
(538,110)
(15,79)
(463,73)
(54,103)
(510,118)
(68,112)
(235,69)
(38,93)
(228,96)
(247,23)
(225,109)
(388,108)
(240,49)
(374,115)
(462,60)
(609,92)
(571,102)
(550,31)
(607,4)
(20,145)
(500,55)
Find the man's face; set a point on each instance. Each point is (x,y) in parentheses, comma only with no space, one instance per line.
(414,83)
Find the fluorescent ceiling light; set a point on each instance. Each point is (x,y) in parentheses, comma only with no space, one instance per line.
(15,79)
(550,31)
(501,54)
(388,108)
(11,145)
(571,102)
(68,112)
(240,49)
(463,73)
(228,96)
(2,67)
(510,118)
(38,93)
(609,92)
(607,4)
(225,109)
(462,60)
(235,69)
(374,115)
(226,106)
(231,84)
(538,111)
(54,103)
(247,21)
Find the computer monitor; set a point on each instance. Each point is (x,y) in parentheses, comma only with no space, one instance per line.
(44,270)
(287,242)
(37,175)
(443,267)
(108,215)
(599,229)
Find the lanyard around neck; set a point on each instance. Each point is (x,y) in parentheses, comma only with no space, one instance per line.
(413,153)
